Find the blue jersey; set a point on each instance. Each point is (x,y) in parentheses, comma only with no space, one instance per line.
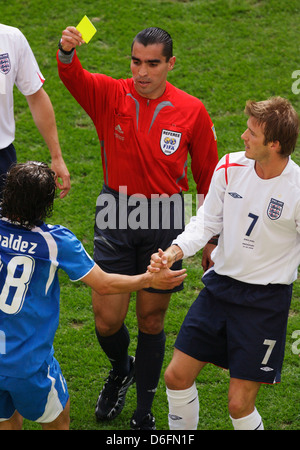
(30,292)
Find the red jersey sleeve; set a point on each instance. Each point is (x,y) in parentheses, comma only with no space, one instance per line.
(203,151)
(88,89)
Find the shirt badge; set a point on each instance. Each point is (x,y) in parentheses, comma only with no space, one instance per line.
(169,141)
(4,63)
(214,132)
(274,209)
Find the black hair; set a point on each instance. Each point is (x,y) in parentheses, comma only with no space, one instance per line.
(155,35)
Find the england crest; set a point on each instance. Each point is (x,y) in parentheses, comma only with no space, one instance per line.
(169,141)
(274,209)
(4,63)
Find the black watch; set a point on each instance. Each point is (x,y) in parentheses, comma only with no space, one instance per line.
(64,51)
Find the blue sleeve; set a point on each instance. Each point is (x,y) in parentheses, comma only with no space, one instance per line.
(72,257)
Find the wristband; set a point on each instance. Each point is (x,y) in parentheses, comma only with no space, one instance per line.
(214,240)
(64,51)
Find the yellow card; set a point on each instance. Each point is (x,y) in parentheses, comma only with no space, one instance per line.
(86,29)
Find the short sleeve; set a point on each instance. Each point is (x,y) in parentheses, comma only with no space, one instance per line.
(29,78)
(72,257)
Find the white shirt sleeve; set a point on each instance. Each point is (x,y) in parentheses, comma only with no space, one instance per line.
(20,69)
(29,78)
(209,219)
(298,219)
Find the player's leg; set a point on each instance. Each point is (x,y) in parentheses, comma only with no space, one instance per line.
(113,253)
(62,422)
(15,422)
(110,312)
(51,398)
(10,419)
(255,357)
(182,392)
(151,309)
(151,305)
(241,404)
(201,339)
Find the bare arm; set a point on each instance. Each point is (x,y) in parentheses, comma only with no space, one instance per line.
(43,115)
(207,262)
(110,283)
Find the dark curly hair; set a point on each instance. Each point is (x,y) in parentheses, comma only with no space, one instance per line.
(28,193)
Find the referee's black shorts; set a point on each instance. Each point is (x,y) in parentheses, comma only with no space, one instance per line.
(128,230)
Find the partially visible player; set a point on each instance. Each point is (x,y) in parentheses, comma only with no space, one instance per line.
(31,252)
(18,67)
(239,319)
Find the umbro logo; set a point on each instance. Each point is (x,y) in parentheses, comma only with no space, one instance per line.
(235,195)
(267,369)
(174,417)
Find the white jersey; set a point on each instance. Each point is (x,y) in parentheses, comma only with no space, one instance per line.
(258,221)
(18,67)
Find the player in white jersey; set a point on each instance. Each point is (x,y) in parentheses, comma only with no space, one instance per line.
(239,319)
(31,252)
(19,67)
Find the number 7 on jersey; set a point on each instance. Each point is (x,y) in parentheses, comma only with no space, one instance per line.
(254,218)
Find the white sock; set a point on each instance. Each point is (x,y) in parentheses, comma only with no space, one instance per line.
(251,422)
(183,408)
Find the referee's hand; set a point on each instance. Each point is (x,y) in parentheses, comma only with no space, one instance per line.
(70,39)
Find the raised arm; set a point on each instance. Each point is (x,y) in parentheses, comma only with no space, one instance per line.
(70,39)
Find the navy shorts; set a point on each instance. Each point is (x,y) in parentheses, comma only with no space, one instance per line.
(238,326)
(128,230)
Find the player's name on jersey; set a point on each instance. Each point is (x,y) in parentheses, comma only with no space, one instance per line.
(18,244)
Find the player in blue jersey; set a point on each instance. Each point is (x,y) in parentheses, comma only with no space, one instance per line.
(31,252)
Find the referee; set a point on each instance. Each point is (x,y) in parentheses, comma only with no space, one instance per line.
(147,128)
